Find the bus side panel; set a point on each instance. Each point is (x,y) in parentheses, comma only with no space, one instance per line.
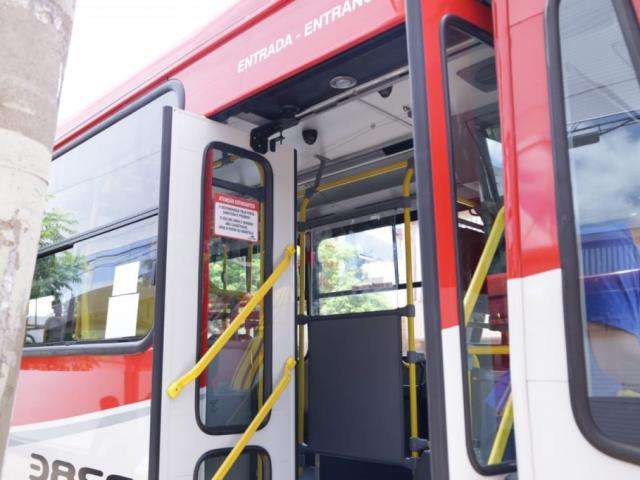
(548,440)
(74,412)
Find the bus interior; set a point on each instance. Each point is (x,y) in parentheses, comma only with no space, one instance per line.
(362,394)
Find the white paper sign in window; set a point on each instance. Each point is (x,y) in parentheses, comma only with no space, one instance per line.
(235,217)
(122,312)
(125,279)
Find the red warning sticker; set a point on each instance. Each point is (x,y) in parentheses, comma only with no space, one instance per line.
(235,217)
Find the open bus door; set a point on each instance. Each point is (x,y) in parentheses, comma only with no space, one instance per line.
(572,71)
(460,200)
(226,280)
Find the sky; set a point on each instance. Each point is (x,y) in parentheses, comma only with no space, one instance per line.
(114,39)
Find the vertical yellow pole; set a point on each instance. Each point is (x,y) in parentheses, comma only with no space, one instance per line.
(411,347)
(300,374)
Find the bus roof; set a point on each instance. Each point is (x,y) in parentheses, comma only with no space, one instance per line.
(231,22)
(215,77)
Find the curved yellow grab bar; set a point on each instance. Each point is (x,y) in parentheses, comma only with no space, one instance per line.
(176,387)
(256,422)
(480,274)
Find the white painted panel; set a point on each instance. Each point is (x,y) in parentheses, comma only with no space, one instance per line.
(460,467)
(548,441)
(182,441)
(88,440)
(544,325)
(518,367)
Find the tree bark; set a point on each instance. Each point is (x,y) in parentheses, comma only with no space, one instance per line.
(34,38)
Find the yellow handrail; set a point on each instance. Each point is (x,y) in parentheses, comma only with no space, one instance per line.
(502,435)
(374,172)
(480,274)
(488,349)
(470,299)
(256,422)
(176,387)
(411,340)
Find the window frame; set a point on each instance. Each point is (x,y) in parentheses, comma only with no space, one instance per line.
(225,451)
(115,346)
(393,221)
(485,37)
(567,238)
(206,207)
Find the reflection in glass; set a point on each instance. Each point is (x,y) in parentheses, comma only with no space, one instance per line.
(233,387)
(602,105)
(478,169)
(361,268)
(356,261)
(102,288)
(113,175)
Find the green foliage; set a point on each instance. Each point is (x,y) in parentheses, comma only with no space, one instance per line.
(59,271)
(342,270)
(56,226)
(233,273)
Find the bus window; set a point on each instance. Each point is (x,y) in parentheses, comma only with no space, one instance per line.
(102,288)
(237,255)
(361,268)
(357,272)
(602,135)
(94,280)
(113,175)
(474,132)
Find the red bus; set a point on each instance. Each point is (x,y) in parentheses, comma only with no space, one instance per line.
(341,239)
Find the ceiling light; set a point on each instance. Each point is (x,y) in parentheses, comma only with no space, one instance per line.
(343,82)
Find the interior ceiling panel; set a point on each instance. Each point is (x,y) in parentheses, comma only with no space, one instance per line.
(354,127)
(359,133)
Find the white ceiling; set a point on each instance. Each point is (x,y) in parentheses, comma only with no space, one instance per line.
(352,127)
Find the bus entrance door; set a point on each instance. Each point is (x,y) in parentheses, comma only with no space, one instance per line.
(461,208)
(226,285)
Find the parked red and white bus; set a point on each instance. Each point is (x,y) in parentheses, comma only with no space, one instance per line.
(430,209)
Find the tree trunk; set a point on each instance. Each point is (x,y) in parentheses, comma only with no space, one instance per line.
(34,37)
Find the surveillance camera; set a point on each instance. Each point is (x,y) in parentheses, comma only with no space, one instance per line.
(310,135)
(386,92)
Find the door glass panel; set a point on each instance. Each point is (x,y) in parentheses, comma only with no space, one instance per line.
(602,108)
(478,173)
(252,464)
(234,386)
